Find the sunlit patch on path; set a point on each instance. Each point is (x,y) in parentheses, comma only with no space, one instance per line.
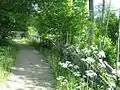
(30,72)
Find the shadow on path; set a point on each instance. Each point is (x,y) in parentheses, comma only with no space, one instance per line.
(30,71)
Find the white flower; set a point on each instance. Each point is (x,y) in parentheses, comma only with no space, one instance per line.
(60,78)
(95,52)
(78,87)
(101,64)
(83,59)
(70,65)
(93,47)
(90,60)
(76,74)
(68,62)
(109,88)
(112,84)
(116,71)
(90,73)
(64,65)
(118,63)
(84,76)
(87,51)
(101,54)
(63,83)
(76,67)
(65,80)
(81,85)
(60,63)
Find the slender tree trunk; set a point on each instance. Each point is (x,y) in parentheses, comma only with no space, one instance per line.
(103,11)
(118,56)
(118,52)
(106,28)
(91,9)
(91,32)
(102,23)
(69,10)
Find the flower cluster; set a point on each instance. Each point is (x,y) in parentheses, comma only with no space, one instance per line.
(62,80)
(77,74)
(101,54)
(90,73)
(89,60)
(68,64)
(71,67)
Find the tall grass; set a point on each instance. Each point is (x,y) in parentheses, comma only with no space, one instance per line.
(65,78)
(7,60)
(69,76)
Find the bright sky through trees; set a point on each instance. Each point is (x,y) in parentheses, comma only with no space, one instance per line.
(114,3)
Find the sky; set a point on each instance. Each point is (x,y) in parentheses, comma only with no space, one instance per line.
(114,3)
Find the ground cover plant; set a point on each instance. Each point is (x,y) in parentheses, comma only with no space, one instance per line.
(81,70)
(7,60)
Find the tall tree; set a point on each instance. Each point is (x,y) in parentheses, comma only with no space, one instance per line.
(91,11)
(103,10)
(107,22)
(13,16)
(118,58)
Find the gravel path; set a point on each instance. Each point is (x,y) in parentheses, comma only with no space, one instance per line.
(30,72)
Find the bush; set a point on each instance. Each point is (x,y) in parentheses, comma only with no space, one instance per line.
(7,60)
(77,68)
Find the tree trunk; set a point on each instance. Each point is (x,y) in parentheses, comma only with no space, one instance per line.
(91,9)
(106,28)
(91,32)
(103,11)
(118,57)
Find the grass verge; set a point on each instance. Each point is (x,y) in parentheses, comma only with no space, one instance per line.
(7,60)
(52,57)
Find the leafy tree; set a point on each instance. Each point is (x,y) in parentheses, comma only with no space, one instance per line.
(13,16)
(64,19)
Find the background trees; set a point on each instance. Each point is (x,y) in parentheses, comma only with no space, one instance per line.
(13,16)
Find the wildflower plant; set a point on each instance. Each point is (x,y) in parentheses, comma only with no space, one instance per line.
(94,68)
(82,69)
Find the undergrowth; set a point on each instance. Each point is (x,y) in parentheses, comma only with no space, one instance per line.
(83,74)
(78,69)
(7,60)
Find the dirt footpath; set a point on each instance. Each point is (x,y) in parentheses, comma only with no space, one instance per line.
(30,72)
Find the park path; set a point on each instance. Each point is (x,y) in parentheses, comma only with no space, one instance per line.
(30,72)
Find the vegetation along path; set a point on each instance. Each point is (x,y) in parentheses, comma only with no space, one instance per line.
(30,72)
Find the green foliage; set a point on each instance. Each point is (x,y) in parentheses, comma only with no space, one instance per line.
(62,19)
(13,19)
(113,28)
(7,60)
(79,69)
(107,39)
(111,51)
